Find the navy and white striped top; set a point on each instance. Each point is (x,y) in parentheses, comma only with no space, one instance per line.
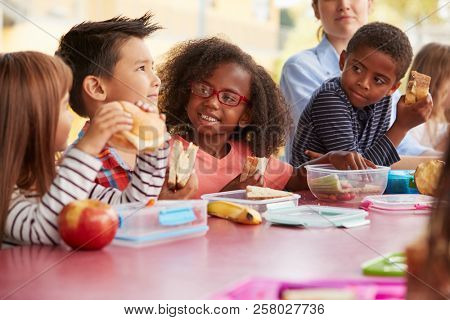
(32,219)
(331,123)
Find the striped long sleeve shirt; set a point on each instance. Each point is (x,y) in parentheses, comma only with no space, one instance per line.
(32,219)
(331,123)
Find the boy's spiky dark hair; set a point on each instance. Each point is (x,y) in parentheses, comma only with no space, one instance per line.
(92,48)
(196,60)
(387,39)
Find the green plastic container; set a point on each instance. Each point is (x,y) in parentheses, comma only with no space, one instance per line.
(391,265)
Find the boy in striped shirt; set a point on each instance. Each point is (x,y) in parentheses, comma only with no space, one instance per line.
(352,112)
(110,61)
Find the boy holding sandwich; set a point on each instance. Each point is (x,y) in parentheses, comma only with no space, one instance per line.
(110,61)
(352,112)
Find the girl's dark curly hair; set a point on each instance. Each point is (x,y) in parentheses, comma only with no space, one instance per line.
(196,60)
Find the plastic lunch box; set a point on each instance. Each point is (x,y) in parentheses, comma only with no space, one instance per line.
(329,184)
(238,196)
(317,216)
(401,182)
(164,221)
(399,204)
(271,289)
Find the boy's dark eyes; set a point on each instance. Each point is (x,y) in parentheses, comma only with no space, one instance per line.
(379,81)
(356,68)
(142,68)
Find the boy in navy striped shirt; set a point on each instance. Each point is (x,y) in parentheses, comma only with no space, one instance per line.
(352,112)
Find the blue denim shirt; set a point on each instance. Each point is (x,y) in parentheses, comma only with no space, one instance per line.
(304,72)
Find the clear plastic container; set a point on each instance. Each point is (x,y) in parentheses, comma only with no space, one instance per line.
(163,222)
(329,184)
(318,216)
(399,204)
(239,196)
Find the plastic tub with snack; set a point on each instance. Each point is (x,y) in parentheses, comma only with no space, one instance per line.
(165,221)
(330,184)
(272,198)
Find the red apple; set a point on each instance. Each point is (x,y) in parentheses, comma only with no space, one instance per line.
(88,224)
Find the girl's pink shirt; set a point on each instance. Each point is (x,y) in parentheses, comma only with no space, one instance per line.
(214,174)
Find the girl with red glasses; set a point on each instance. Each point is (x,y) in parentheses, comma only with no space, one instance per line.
(216,96)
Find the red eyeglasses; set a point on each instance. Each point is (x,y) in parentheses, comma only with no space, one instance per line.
(228,98)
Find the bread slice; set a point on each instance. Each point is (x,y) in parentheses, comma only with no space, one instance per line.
(177,149)
(260,193)
(181,164)
(252,165)
(417,88)
(185,166)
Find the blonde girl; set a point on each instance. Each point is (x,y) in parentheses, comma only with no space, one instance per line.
(434,60)
(429,257)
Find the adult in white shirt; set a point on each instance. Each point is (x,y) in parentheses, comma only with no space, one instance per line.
(305,71)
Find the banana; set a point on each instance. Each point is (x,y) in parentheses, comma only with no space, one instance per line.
(234,212)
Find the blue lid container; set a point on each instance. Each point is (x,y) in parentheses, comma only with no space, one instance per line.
(401,182)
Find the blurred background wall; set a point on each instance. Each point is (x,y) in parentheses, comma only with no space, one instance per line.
(270,30)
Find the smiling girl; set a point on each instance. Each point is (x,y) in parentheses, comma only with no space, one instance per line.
(217,97)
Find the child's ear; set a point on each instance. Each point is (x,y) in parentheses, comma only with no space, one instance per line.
(94,88)
(245,119)
(342,59)
(394,88)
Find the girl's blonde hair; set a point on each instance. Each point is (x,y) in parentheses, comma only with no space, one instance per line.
(320,33)
(32,85)
(437,267)
(434,60)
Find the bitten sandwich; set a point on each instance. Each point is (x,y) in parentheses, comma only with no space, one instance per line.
(147,134)
(417,88)
(181,164)
(253,164)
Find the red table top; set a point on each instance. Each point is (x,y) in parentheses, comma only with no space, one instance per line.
(197,268)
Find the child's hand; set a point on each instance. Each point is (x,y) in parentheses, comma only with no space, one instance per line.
(109,119)
(150,108)
(313,155)
(343,160)
(256,180)
(189,190)
(412,115)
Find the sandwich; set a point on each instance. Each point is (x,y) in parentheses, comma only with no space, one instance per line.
(427,177)
(417,88)
(259,193)
(147,134)
(252,165)
(181,164)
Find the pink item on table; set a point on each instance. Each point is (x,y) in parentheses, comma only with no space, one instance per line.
(398,204)
(271,289)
